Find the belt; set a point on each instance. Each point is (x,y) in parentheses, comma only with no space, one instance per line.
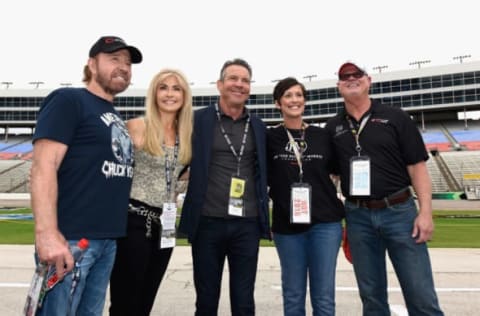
(390,200)
(151,214)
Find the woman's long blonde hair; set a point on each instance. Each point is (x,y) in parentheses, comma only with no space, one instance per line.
(154,136)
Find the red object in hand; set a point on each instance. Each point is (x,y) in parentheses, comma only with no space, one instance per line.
(77,252)
(346,245)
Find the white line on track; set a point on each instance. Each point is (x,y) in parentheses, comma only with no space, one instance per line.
(279,288)
(14,284)
(394,289)
(398,310)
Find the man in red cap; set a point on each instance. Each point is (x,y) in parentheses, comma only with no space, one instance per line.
(380,155)
(80,179)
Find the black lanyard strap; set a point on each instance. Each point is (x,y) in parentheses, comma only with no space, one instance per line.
(229,142)
(170,167)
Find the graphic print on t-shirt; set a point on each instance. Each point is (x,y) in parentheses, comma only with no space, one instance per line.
(289,155)
(121,144)
(301,145)
(122,148)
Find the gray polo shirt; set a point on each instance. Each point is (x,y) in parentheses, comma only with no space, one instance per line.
(223,165)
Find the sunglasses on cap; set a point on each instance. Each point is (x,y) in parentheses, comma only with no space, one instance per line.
(345,76)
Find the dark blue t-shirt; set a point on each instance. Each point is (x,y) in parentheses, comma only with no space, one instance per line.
(95,175)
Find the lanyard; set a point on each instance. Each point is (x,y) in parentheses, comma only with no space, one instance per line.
(229,142)
(356,133)
(296,150)
(169,169)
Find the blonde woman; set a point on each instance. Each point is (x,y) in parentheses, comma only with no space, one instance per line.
(162,142)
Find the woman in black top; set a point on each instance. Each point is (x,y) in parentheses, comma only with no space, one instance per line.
(306,211)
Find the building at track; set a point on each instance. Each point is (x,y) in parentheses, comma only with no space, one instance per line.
(435,97)
(429,94)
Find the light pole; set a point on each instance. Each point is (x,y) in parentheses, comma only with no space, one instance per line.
(309,77)
(36,83)
(419,62)
(380,68)
(461,57)
(465,117)
(7,84)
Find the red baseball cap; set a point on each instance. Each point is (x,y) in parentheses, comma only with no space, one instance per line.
(350,66)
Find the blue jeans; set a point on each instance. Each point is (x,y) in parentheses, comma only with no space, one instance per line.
(89,295)
(313,253)
(238,240)
(371,234)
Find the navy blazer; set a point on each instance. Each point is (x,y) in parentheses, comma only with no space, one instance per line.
(204,124)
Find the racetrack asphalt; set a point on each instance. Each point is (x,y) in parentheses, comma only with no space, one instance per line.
(456,274)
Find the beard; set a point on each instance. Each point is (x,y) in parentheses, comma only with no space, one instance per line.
(110,85)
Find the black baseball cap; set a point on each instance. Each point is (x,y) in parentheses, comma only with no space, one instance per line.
(110,44)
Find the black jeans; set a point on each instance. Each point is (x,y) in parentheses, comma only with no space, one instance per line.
(138,270)
(238,240)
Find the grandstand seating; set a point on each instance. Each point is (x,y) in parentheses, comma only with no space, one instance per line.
(452,135)
(470,139)
(15,164)
(465,165)
(466,135)
(5,156)
(16,148)
(14,176)
(463,162)
(436,140)
(438,181)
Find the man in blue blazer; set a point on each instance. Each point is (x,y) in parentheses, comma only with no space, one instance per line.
(225,212)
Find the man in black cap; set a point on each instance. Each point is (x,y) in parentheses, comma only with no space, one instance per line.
(80,179)
(381,154)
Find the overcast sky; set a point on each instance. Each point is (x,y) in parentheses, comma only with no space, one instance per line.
(49,40)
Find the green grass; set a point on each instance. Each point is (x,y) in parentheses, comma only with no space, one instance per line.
(456,233)
(460,213)
(16,211)
(456,229)
(453,229)
(16,232)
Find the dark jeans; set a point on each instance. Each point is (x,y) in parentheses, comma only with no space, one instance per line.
(238,240)
(138,270)
(371,234)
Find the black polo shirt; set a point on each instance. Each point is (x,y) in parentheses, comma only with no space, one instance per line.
(223,165)
(391,140)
